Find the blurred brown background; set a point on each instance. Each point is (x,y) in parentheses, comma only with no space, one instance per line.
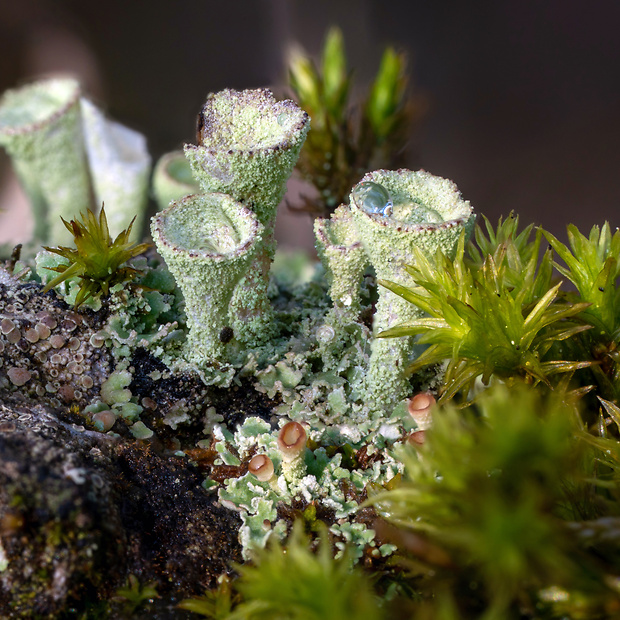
(524,95)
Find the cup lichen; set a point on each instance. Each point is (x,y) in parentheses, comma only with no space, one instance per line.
(208,242)
(248,146)
(41,129)
(120,165)
(173,179)
(344,260)
(420,210)
(66,153)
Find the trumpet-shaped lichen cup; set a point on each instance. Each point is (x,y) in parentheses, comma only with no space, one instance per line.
(120,167)
(248,146)
(394,212)
(207,241)
(41,129)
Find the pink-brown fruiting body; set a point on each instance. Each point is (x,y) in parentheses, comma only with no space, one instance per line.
(292,440)
(417,438)
(262,467)
(420,408)
(103,421)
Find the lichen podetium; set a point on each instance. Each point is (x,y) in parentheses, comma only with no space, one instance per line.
(248,146)
(426,212)
(208,242)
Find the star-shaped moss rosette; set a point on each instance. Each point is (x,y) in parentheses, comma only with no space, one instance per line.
(592,264)
(97,261)
(484,326)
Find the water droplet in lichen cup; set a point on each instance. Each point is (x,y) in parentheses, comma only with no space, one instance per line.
(414,212)
(373,198)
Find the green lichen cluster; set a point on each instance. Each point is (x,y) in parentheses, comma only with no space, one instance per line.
(323,477)
(502,503)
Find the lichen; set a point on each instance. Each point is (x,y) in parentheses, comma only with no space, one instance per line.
(65,152)
(180,356)
(318,479)
(249,144)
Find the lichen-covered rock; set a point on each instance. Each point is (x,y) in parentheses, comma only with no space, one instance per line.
(80,510)
(61,537)
(48,351)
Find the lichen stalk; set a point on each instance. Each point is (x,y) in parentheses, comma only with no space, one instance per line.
(248,146)
(41,129)
(344,260)
(207,241)
(425,212)
(292,445)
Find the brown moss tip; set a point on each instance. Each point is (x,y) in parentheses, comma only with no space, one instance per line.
(261,466)
(420,408)
(292,440)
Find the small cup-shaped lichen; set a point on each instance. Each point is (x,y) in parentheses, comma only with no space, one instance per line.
(248,146)
(173,179)
(420,408)
(41,128)
(395,211)
(292,445)
(207,241)
(343,258)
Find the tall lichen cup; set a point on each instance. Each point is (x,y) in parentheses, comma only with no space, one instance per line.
(41,128)
(393,212)
(207,241)
(248,146)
